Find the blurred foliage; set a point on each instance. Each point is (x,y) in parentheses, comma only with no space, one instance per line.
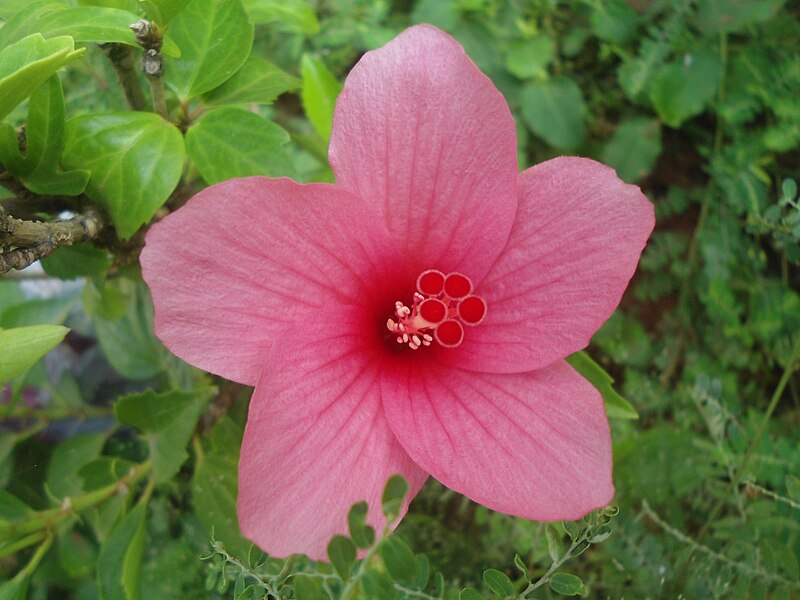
(104,494)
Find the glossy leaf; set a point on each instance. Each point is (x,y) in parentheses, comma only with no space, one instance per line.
(257,81)
(554,111)
(135,161)
(21,347)
(215,38)
(80,260)
(616,406)
(26,21)
(320,90)
(39,168)
(167,420)
(232,142)
(162,11)
(90,24)
(28,63)
(470,594)
(292,15)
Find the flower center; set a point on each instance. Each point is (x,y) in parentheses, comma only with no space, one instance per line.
(441,307)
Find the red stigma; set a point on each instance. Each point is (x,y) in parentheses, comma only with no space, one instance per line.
(442,306)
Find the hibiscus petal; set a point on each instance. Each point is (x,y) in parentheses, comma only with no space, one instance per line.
(572,251)
(423,135)
(535,445)
(316,443)
(244,258)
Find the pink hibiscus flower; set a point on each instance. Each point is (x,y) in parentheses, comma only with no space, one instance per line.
(412,318)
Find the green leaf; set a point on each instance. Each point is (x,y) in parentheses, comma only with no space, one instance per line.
(498,582)
(362,534)
(470,594)
(423,568)
(567,584)
(682,90)
(12,508)
(215,38)
(716,16)
(307,587)
(320,90)
(44,136)
(520,564)
(26,21)
(554,111)
(41,311)
(232,142)
(76,554)
(377,586)
(162,11)
(793,487)
(214,489)
(258,81)
(342,553)
(529,58)
(16,588)
(614,21)
(69,457)
(399,559)
(555,545)
(120,559)
(393,495)
(21,347)
(28,63)
(634,148)
(292,15)
(128,342)
(135,161)
(80,260)
(90,24)
(616,406)
(167,420)
(104,471)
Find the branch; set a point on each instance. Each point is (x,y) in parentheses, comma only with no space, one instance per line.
(151,38)
(121,57)
(24,242)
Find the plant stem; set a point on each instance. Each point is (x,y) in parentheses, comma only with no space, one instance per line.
(553,568)
(28,241)
(773,403)
(21,543)
(157,91)
(121,57)
(47,519)
(696,546)
(352,585)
